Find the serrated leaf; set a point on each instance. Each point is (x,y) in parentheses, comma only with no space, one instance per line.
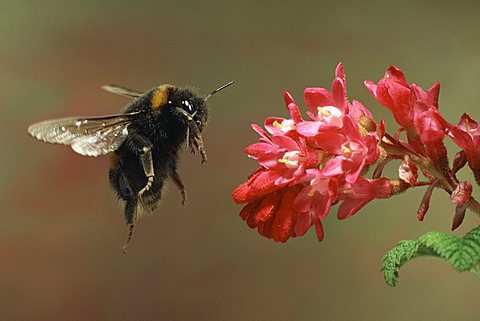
(462,253)
(395,258)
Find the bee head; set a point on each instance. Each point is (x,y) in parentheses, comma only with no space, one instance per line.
(184,104)
(190,106)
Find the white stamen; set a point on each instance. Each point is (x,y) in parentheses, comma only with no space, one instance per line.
(330,115)
(292,159)
(285,126)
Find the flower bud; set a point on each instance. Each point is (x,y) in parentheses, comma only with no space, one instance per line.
(462,193)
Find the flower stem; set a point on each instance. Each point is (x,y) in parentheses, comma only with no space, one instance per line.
(395,149)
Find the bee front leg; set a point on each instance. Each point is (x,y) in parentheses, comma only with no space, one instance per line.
(147,163)
(196,141)
(178,182)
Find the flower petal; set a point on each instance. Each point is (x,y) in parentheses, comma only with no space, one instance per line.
(319,230)
(258,149)
(294,113)
(372,87)
(288,98)
(309,128)
(240,194)
(339,94)
(323,206)
(267,207)
(340,73)
(285,217)
(260,131)
(432,95)
(248,211)
(273,125)
(333,167)
(285,142)
(303,201)
(304,222)
(315,97)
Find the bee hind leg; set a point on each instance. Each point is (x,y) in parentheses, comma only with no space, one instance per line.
(130,218)
(131,203)
(122,186)
(178,182)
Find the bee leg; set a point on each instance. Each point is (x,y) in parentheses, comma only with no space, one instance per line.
(191,134)
(188,139)
(196,141)
(122,186)
(130,218)
(130,236)
(178,182)
(199,144)
(147,163)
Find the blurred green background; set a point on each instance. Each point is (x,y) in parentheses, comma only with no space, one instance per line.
(61,230)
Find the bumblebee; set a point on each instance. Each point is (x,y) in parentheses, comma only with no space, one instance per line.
(144,142)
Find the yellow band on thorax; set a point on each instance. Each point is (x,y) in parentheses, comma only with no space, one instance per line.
(160,96)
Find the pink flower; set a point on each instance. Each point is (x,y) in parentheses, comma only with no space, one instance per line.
(282,156)
(408,171)
(461,194)
(314,202)
(273,215)
(320,97)
(394,93)
(259,184)
(363,191)
(348,149)
(432,129)
(404,100)
(467,136)
(327,119)
(278,125)
(352,153)
(285,158)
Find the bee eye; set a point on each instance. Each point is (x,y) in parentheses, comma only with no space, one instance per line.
(188,104)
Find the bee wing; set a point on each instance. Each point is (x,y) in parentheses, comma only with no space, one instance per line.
(122,91)
(87,136)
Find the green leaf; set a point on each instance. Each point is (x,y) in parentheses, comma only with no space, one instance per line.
(463,253)
(395,258)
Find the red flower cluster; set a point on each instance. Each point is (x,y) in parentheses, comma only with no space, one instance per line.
(416,111)
(307,166)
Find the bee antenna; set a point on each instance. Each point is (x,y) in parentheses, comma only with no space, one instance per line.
(218,89)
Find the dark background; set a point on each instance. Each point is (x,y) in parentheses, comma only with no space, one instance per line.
(61,230)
